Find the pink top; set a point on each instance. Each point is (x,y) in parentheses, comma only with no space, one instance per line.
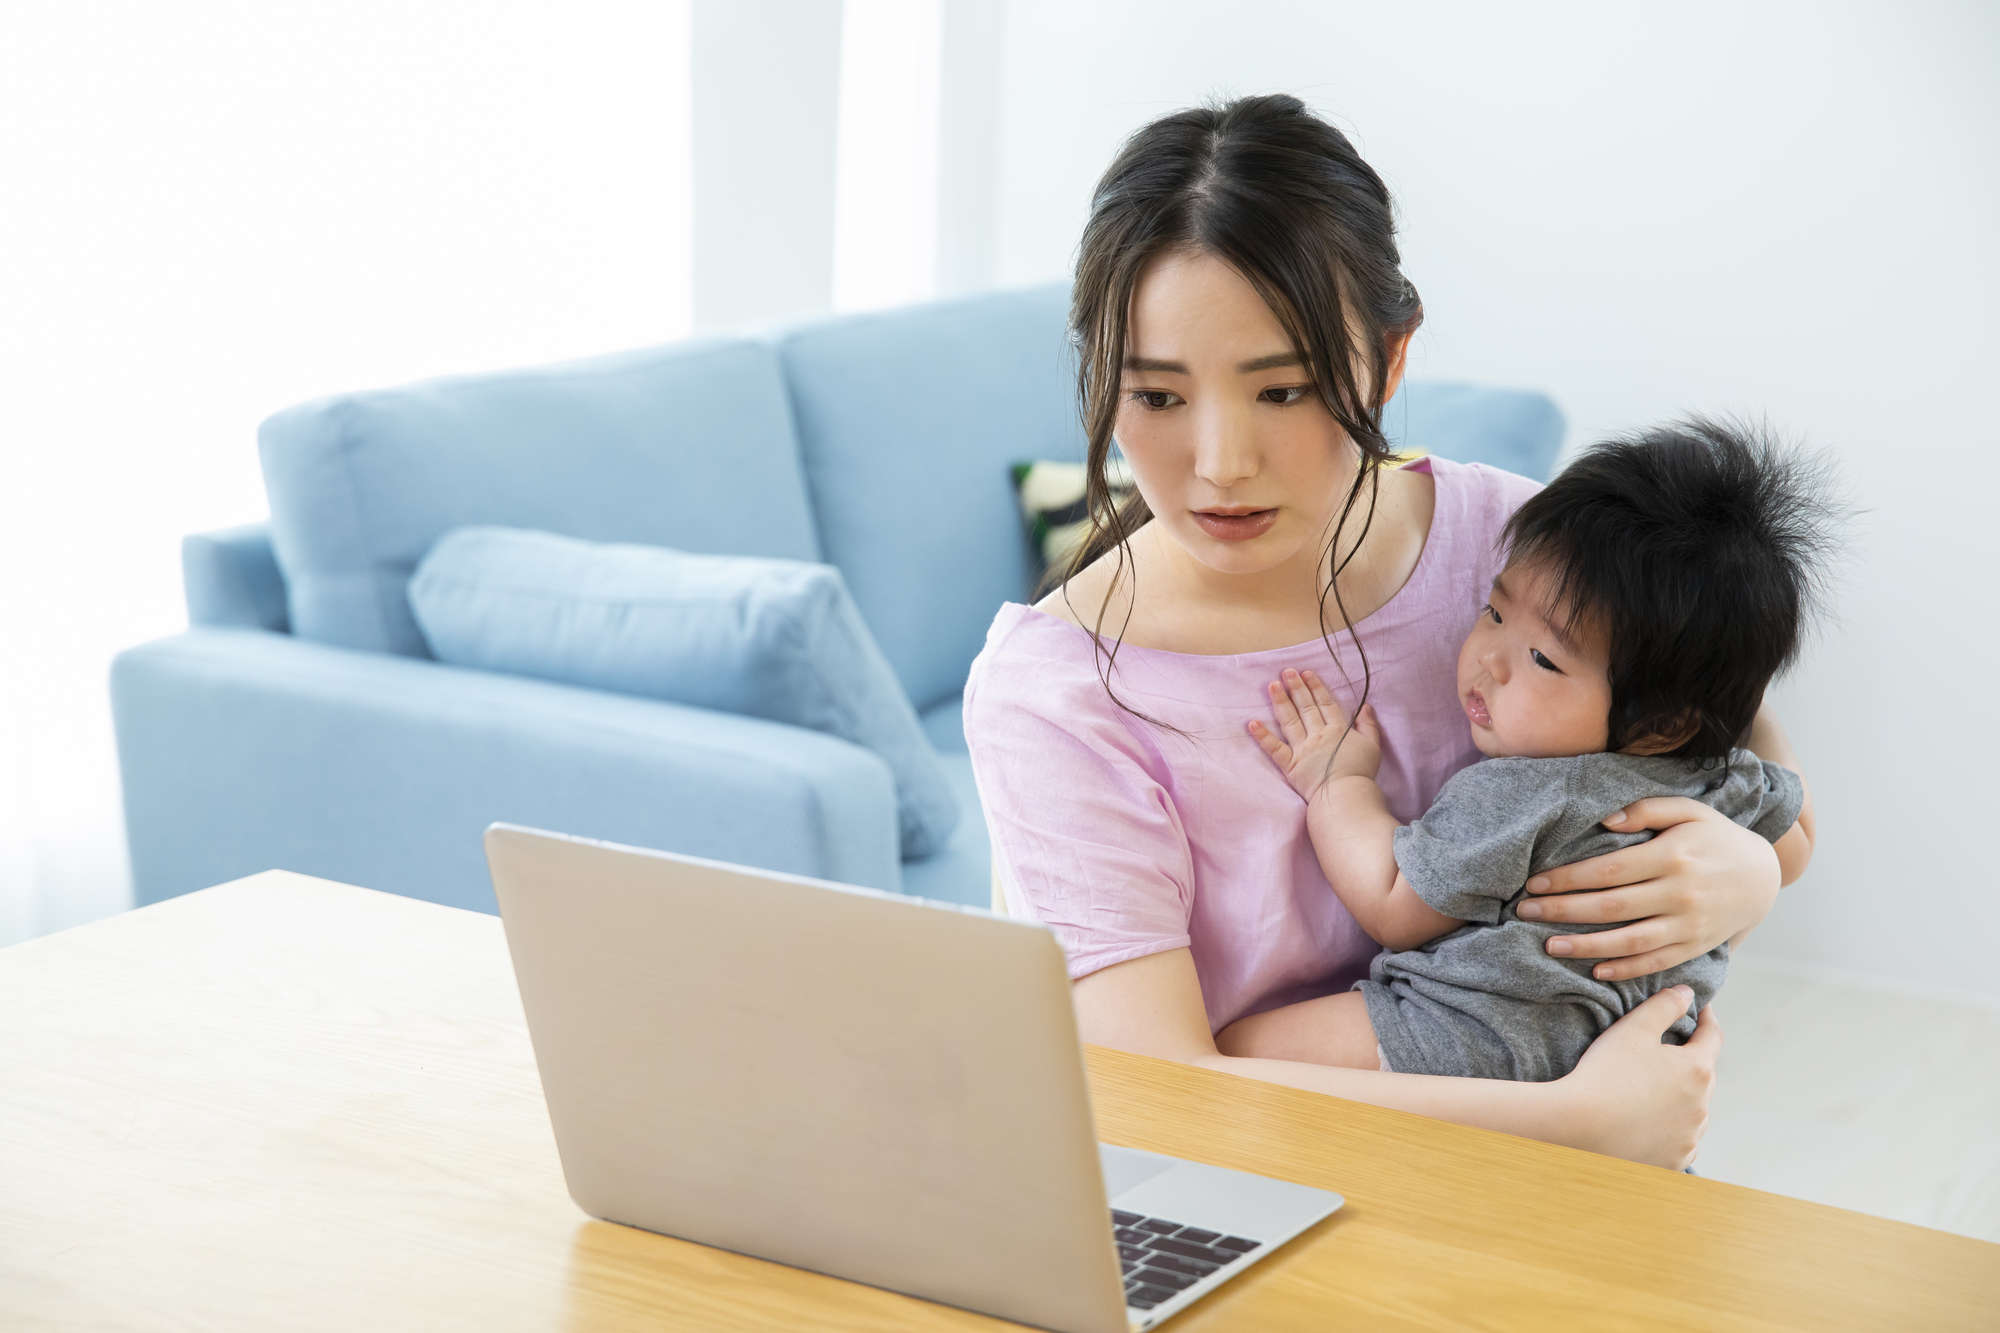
(1129,840)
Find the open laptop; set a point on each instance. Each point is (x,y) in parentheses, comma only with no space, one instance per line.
(882,1088)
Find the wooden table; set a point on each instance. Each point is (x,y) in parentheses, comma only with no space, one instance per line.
(290,1104)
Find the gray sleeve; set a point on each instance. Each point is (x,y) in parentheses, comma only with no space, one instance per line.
(1784,797)
(1472,849)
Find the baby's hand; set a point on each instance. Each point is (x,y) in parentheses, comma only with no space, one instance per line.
(1317,743)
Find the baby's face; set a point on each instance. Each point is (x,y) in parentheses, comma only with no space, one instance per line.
(1529,690)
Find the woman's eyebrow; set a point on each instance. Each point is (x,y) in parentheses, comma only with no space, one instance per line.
(1157,366)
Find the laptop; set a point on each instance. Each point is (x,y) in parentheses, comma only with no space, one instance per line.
(881,1088)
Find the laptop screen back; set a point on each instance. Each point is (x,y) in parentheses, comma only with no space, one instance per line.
(876,1087)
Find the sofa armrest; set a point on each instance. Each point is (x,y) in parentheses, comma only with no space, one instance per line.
(243,751)
(232,579)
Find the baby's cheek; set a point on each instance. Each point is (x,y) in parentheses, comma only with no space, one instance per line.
(1579,728)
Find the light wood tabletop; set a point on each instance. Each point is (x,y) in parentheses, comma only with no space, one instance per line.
(290,1104)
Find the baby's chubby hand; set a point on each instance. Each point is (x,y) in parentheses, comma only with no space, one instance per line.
(1317,743)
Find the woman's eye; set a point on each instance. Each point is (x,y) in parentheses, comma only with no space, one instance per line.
(1543,662)
(1155,399)
(1286,396)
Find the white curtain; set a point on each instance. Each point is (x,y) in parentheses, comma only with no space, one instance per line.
(210,210)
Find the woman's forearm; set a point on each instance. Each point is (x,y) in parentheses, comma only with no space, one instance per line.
(1153,1006)
(1629,1097)
(1542,1111)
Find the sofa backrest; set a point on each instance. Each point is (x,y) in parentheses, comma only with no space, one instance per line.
(1518,430)
(879,442)
(689,446)
(909,421)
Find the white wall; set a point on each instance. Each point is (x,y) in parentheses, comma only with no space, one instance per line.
(886,167)
(222,208)
(217,208)
(765,105)
(1776,208)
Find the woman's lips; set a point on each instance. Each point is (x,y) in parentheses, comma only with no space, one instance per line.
(1475,708)
(1236,527)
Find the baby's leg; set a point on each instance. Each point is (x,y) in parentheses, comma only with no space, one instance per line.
(1332,1030)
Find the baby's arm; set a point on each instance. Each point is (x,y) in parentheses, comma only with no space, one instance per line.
(1353,833)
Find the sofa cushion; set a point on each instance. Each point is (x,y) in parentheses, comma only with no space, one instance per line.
(944,724)
(687,446)
(909,424)
(961,871)
(1518,430)
(777,639)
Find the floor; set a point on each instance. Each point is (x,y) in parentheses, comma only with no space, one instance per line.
(1835,1090)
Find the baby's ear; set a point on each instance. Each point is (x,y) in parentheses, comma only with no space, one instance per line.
(1665,735)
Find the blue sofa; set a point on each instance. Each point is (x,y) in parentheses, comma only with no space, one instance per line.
(301,723)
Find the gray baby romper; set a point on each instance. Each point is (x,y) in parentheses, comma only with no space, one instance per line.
(1487,1000)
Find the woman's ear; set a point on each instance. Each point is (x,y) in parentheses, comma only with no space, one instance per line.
(1668,737)
(1398,347)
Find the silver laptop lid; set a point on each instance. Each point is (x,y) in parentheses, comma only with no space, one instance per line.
(882,1088)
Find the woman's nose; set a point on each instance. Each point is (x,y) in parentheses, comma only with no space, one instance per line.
(1225,448)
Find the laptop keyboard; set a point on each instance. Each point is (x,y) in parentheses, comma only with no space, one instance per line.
(1161,1258)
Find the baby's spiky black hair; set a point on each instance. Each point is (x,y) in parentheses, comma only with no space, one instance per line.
(1701,548)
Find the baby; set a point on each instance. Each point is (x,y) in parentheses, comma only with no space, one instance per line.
(1651,592)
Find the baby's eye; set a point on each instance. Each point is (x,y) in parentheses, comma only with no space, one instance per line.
(1543,662)
(1156,400)
(1286,396)
(1487,610)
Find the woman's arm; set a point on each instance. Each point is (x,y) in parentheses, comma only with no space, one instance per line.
(1703,880)
(1631,1096)
(1769,741)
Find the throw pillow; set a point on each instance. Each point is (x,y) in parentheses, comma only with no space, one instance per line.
(777,639)
(1052,503)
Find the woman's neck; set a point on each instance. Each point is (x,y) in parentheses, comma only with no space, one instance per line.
(1167,599)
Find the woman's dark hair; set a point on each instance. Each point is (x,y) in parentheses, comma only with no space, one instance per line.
(1281,197)
(1700,549)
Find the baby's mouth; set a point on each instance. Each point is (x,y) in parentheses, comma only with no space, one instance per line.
(1475,708)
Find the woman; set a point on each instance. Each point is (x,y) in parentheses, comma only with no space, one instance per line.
(1242,318)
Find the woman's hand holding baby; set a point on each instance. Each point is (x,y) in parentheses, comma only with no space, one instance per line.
(1314,742)
(1640,1099)
(1701,881)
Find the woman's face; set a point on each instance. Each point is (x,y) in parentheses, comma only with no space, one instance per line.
(1240,462)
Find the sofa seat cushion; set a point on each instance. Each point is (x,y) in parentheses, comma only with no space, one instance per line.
(776,639)
(961,871)
(945,725)
(687,446)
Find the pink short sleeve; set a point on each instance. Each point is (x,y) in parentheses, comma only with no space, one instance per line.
(1082,823)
